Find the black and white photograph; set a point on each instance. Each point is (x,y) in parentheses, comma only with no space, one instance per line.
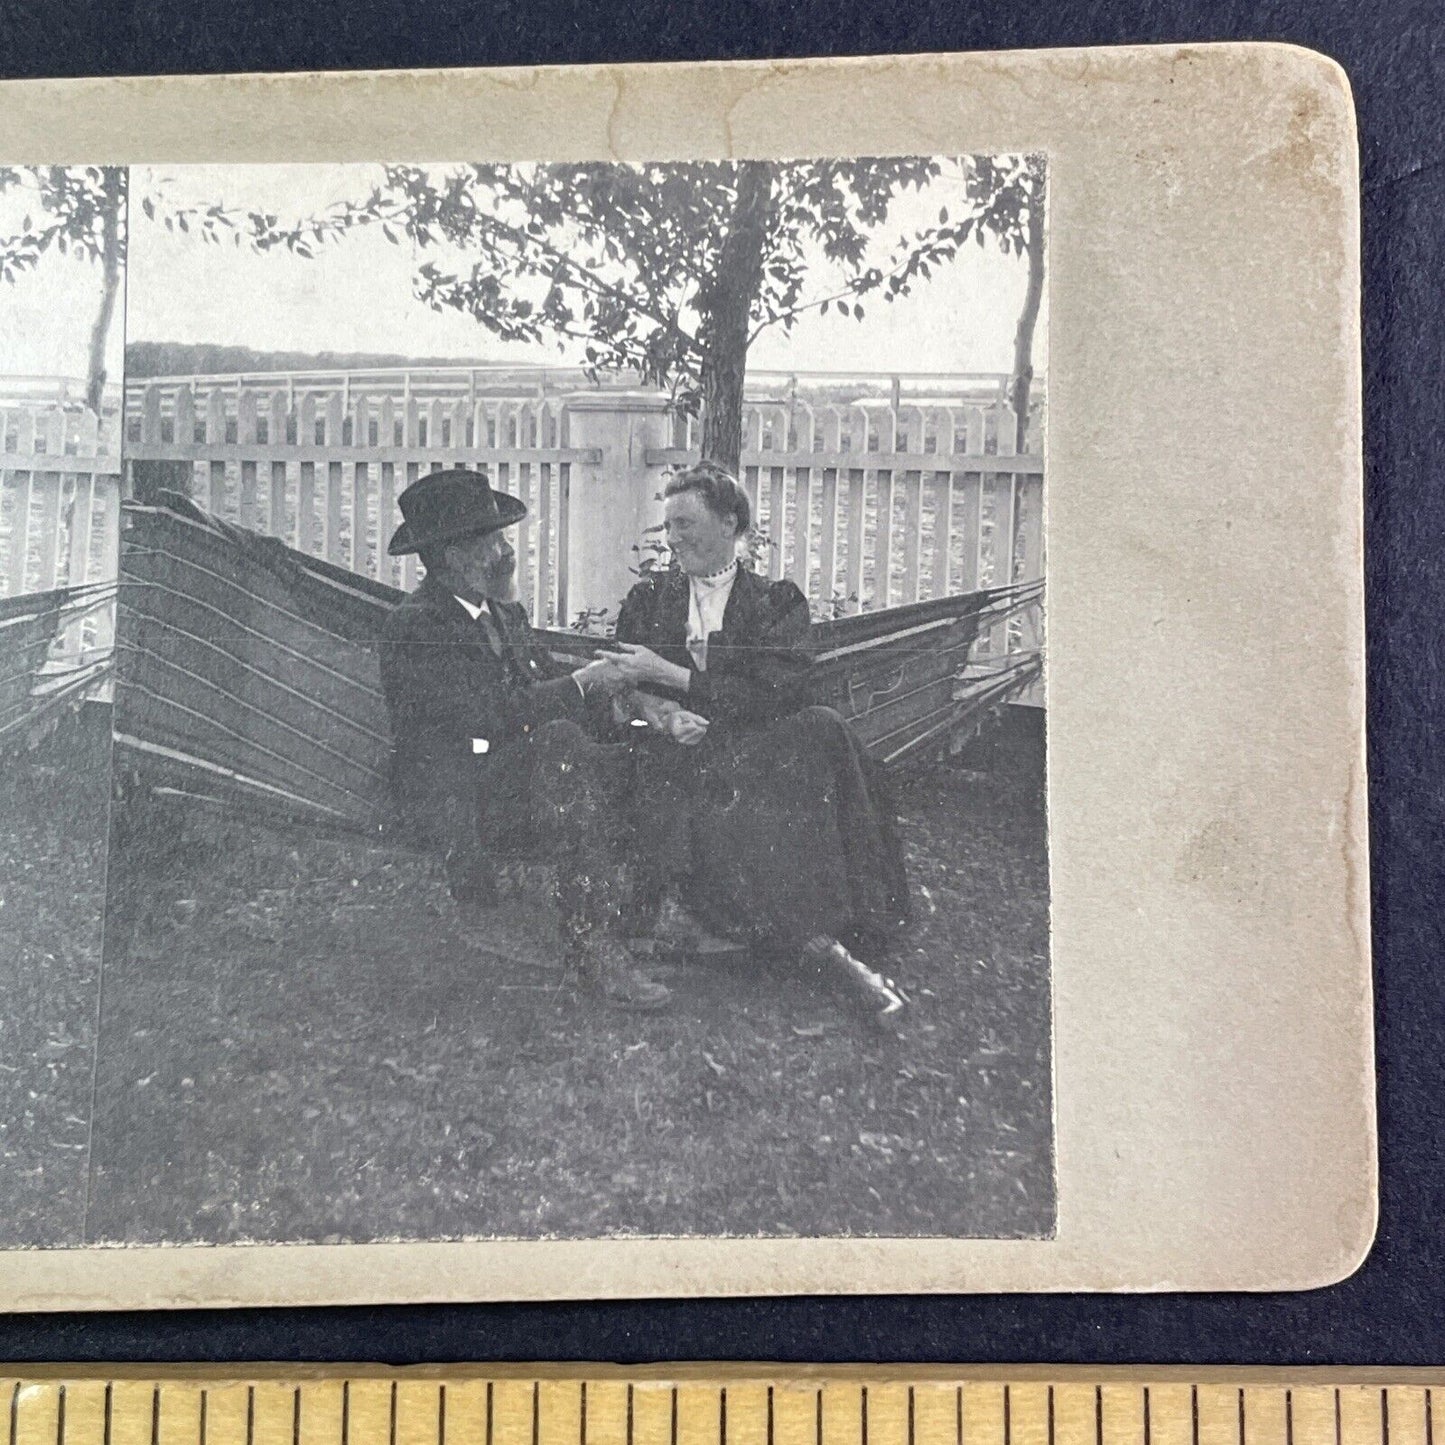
(62,269)
(567,759)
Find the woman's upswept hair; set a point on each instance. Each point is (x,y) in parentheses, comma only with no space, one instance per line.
(718,489)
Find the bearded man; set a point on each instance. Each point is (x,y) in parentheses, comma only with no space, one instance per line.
(497,747)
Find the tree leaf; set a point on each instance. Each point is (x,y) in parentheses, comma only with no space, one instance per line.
(642,264)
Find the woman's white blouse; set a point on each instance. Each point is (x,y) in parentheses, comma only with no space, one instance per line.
(708,602)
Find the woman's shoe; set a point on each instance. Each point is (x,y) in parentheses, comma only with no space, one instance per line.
(878,993)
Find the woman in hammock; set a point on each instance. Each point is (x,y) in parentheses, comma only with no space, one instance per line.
(765,814)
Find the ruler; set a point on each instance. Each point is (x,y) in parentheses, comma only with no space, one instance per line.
(718,1405)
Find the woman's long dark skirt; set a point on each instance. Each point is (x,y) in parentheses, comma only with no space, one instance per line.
(777,835)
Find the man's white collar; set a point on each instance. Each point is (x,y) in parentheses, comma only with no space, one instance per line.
(473,611)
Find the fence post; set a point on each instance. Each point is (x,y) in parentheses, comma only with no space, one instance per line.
(109,551)
(800,563)
(1005,524)
(21,482)
(828,539)
(48,486)
(942,484)
(247,416)
(216,436)
(613,500)
(147,477)
(276,434)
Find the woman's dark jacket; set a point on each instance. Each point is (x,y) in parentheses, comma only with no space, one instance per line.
(776,826)
(757,664)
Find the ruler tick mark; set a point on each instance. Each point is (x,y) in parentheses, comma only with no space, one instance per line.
(178,1425)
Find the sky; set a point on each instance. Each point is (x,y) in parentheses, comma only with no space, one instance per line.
(46,315)
(357,295)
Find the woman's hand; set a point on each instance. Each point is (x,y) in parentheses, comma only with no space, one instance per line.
(641,666)
(603,675)
(687,728)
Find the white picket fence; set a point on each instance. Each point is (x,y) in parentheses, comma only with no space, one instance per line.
(866,502)
(878,504)
(325,477)
(60,513)
(451,384)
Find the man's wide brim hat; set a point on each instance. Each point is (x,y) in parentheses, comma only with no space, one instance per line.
(447,506)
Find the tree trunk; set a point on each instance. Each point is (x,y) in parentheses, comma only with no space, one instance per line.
(1023,368)
(726,307)
(110,285)
(724,371)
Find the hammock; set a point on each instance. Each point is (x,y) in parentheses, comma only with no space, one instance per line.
(35,685)
(247,671)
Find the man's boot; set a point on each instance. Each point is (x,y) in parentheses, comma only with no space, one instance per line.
(677,931)
(608,970)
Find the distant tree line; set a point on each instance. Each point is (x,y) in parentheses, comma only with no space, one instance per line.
(180,358)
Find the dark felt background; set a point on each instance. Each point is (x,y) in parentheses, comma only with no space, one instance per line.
(1394,51)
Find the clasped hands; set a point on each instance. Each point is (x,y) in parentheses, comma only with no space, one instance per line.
(627,668)
(642,667)
(682,726)
(626,665)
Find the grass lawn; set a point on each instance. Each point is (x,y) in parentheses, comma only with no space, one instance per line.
(297,1043)
(53,823)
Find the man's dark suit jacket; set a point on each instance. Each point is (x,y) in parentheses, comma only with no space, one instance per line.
(461,694)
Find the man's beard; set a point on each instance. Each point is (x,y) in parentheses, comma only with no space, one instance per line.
(502,583)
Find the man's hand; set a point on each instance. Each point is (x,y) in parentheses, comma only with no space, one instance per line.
(603,675)
(641,666)
(687,728)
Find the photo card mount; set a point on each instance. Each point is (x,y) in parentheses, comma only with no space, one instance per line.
(1211,1063)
